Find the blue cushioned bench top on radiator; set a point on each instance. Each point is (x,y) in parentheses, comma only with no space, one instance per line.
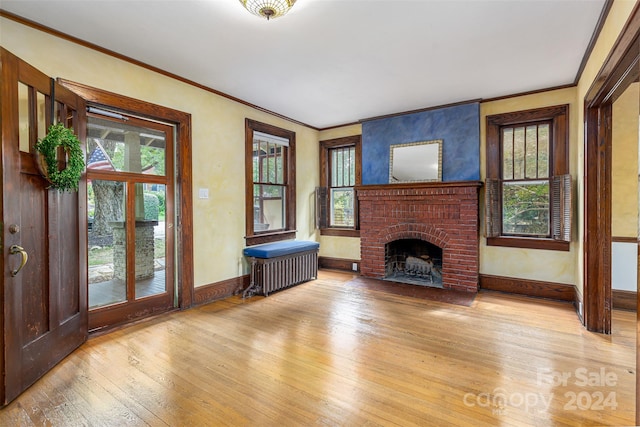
(276,249)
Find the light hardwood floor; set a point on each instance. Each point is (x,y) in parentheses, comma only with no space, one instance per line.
(325,353)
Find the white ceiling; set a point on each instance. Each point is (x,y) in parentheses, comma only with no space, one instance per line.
(332,62)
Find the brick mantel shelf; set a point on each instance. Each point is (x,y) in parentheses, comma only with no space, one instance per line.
(442,213)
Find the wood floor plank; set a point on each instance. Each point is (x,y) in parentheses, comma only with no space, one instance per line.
(17,416)
(329,354)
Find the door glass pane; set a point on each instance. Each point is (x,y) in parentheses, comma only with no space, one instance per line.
(23,116)
(41,111)
(125,147)
(150,239)
(107,242)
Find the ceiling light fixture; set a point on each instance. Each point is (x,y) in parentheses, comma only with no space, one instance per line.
(268,8)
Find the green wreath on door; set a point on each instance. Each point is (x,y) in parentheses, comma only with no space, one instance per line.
(68,178)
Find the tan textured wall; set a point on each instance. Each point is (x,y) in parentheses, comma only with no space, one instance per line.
(624,170)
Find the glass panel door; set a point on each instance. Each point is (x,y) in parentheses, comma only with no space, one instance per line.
(130,218)
(151,240)
(107,242)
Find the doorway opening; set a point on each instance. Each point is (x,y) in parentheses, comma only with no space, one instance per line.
(130,217)
(150,121)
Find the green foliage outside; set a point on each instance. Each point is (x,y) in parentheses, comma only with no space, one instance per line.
(91,201)
(526,208)
(151,207)
(343,167)
(162,206)
(151,157)
(342,215)
(268,168)
(343,176)
(155,205)
(525,204)
(159,210)
(525,152)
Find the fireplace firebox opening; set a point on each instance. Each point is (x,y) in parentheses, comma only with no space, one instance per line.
(413,261)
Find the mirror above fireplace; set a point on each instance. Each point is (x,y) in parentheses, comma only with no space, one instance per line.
(416,162)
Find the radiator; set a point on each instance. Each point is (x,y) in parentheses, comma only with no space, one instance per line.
(272,274)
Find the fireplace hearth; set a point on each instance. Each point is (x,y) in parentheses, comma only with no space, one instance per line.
(435,225)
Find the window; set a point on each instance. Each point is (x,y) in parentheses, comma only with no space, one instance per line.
(270,183)
(525,180)
(528,188)
(340,172)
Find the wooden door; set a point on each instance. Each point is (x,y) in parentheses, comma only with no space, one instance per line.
(44,304)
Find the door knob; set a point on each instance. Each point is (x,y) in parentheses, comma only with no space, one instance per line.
(14,250)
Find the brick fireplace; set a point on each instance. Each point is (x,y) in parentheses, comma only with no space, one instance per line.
(443,214)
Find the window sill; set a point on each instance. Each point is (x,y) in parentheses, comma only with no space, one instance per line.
(345,232)
(258,239)
(529,243)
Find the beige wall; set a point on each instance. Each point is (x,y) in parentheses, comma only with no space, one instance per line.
(624,164)
(217,140)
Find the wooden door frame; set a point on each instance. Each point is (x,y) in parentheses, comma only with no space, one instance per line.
(619,70)
(182,168)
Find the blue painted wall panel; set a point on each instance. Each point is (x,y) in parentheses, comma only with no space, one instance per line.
(458,127)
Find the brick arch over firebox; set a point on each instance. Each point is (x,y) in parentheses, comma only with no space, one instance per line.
(433,235)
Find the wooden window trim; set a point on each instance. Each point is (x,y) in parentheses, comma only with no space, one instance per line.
(253,238)
(559,117)
(325,147)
